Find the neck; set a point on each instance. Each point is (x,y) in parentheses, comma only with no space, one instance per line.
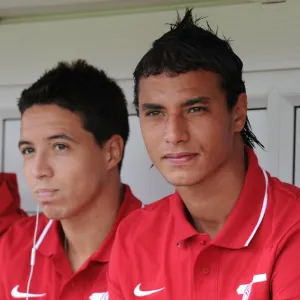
(85,232)
(210,202)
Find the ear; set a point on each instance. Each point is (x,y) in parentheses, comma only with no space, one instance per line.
(114,151)
(240,113)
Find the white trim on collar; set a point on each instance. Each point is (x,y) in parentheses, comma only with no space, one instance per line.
(262,212)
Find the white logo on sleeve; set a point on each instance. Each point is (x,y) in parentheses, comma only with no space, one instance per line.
(16,294)
(99,296)
(245,289)
(139,293)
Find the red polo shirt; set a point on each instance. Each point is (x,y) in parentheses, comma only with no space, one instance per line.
(157,254)
(52,277)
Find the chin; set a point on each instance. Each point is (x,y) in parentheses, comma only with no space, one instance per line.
(54,213)
(182,178)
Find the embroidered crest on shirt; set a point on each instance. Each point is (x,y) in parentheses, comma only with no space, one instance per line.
(99,296)
(245,289)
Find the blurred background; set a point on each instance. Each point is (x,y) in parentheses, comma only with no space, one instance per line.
(114,34)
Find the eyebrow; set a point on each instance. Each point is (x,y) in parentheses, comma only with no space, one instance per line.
(61,136)
(190,102)
(194,101)
(153,106)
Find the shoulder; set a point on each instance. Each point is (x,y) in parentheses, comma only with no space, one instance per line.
(282,194)
(20,234)
(284,204)
(151,217)
(10,218)
(282,187)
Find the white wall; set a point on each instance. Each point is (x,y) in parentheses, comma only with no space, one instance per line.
(265,36)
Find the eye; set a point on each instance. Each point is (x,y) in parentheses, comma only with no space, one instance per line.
(153,113)
(60,147)
(197,109)
(26,151)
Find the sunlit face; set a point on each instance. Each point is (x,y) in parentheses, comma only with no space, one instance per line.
(63,164)
(187,127)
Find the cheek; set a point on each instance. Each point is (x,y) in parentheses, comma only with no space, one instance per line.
(83,168)
(152,139)
(212,132)
(218,135)
(82,179)
(28,173)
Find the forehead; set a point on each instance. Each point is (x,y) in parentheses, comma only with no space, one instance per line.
(191,84)
(42,120)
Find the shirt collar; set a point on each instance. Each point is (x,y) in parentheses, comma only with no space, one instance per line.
(52,245)
(246,215)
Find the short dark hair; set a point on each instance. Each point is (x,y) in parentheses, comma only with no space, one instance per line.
(188,47)
(86,91)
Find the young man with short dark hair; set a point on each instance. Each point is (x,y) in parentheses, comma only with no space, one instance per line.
(74,127)
(230,231)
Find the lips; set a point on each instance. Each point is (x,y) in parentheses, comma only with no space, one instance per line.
(46,193)
(180,158)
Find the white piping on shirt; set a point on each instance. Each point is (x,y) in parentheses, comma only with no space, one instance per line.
(262,212)
(36,245)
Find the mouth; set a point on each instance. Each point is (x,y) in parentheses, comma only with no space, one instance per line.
(46,193)
(180,158)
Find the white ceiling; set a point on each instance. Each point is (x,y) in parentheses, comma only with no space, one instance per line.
(17,8)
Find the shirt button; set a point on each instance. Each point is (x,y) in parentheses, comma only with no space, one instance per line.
(205,270)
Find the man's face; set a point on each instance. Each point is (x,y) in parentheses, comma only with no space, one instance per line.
(63,164)
(187,128)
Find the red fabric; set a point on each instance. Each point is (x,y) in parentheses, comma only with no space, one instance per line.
(157,253)
(10,210)
(52,274)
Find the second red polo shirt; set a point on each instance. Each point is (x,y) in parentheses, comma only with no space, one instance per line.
(157,253)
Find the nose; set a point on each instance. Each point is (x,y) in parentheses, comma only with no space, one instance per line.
(176,130)
(41,166)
